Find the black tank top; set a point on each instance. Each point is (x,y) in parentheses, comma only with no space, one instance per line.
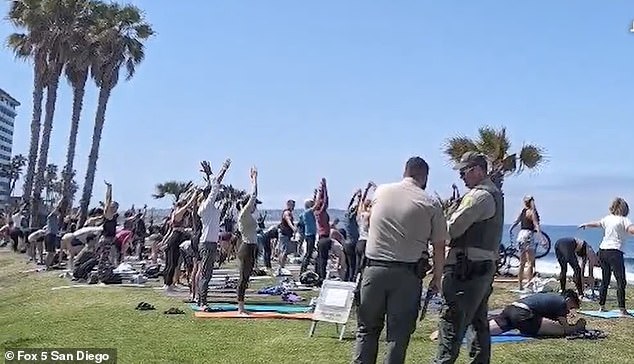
(526,223)
(110,226)
(285,229)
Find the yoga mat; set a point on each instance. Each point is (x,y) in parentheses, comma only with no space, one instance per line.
(101,285)
(284,309)
(255,315)
(507,337)
(605,315)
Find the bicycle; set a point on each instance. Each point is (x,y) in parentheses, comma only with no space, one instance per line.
(510,255)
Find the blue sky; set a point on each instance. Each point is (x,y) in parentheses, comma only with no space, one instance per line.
(349,90)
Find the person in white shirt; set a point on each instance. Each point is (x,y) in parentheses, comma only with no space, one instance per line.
(210,218)
(248,226)
(617,226)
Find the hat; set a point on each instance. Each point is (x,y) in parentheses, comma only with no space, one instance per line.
(470,159)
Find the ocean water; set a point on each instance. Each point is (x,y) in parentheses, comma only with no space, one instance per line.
(549,264)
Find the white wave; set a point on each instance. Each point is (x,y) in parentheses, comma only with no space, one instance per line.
(549,267)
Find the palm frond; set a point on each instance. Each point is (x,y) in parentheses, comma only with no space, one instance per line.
(531,157)
(493,143)
(455,147)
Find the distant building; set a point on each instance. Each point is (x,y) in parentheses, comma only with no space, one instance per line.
(7,115)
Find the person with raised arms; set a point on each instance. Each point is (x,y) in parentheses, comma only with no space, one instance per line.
(210,218)
(248,226)
(175,238)
(108,235)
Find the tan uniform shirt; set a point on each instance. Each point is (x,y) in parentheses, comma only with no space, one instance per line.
(403,220)
(477,205)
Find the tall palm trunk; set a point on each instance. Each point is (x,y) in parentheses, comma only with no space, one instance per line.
(38,95)
(79,89)
(100,118)
(47,128)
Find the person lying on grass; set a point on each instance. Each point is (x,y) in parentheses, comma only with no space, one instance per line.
(539,315)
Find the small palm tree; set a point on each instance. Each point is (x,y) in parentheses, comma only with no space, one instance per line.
(118,34)
(13,170)
(172,188)
(495,145)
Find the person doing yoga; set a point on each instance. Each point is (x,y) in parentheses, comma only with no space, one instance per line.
(616,228)
(540,314)
(568,250)
(248,226)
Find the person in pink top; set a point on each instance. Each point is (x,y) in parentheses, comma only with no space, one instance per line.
(323,229)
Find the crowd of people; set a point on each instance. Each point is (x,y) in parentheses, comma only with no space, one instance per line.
(383,246)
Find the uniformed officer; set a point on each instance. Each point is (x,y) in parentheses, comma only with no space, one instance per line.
(475,229)
(403,220)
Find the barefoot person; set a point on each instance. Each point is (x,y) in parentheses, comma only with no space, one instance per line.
(617,226)
(528,220)
(352,232)
(363,219)
(210,218)
(568,250)
(248,226)
(174,240)
(287,230)
(108,235)
(540,314)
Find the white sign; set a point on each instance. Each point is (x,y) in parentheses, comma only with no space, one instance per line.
(334,302)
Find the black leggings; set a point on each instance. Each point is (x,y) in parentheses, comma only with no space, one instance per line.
(350,250)
(308,255)
(247,256)
(565,252)
(612,261)
(323,251)
(265,242)
(172,253)
(360,255)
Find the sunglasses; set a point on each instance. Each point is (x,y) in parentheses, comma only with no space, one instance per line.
(466,170)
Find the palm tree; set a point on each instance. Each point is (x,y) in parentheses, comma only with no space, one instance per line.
(495,145)
(68,20)
(76,70)
(50,181)
(173,188)
(119,35)
(13,170)
(29,16)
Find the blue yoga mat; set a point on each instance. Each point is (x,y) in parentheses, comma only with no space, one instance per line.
(507,337)
(257,308)
(605,315)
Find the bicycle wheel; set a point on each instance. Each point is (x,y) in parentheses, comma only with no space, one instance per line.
(512,260)
(541,250)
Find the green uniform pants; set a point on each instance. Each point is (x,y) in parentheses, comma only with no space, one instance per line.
(391,293)
(466,302)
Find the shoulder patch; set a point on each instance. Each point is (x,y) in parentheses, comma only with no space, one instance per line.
(467,201)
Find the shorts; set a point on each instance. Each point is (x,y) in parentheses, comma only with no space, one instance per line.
(513,317)
(284,243)
(50,242)
(526,241)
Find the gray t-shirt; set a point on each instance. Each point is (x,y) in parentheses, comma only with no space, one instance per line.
(404,219)
(52,223)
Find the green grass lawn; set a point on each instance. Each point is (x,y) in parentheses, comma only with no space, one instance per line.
(33,315)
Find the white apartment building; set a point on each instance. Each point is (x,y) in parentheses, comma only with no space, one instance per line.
(7,115)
